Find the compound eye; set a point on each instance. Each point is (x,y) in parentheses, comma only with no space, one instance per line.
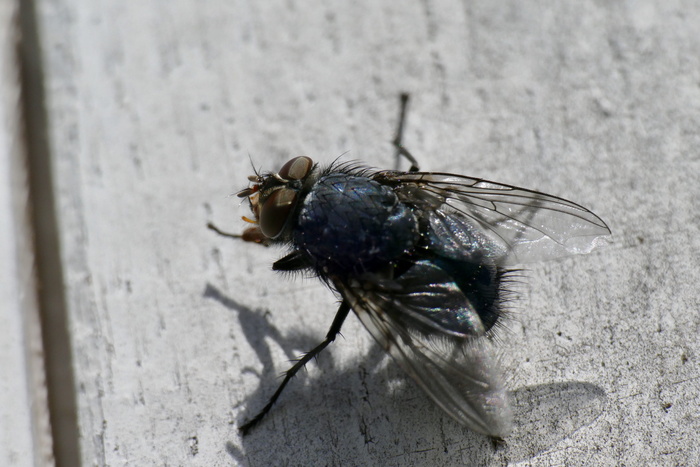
(275,212)
(297,168)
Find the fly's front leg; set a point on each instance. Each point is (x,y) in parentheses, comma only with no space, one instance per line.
(340,316)
(251,234)
(214,228)
(400,150)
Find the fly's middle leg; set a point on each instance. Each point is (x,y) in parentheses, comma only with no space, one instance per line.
(340,316)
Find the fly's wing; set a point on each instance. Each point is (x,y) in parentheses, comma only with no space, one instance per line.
(521,225)
(458,370)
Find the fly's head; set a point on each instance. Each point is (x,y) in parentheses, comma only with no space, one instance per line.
(273,198)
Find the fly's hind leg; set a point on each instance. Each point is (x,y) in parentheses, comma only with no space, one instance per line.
(340,316)
(400,150)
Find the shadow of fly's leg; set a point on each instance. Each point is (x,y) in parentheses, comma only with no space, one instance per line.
(340,316)
(400,150)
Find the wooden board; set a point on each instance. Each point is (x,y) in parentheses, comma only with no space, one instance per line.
(156,110)
(24,419)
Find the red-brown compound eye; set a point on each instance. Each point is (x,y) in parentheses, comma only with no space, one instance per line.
(275,212)
(296,169)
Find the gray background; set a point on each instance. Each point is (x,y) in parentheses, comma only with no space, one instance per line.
(156,110)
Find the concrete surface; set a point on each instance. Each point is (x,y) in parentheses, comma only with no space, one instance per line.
(156,110)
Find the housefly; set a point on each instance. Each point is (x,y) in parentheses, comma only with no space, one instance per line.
(423,259)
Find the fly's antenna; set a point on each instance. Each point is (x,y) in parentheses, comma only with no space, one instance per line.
(252,165)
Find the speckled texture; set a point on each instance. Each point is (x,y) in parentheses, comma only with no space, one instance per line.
(179,334)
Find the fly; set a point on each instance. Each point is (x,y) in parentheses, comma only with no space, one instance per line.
(423,259)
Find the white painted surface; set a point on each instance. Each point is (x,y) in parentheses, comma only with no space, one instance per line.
(155,108)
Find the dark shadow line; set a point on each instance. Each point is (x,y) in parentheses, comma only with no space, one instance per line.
(51,295)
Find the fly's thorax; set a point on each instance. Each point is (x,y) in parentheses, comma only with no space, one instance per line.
(349,224)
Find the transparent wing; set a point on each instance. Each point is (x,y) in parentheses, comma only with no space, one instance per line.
(460,374)
(521,225)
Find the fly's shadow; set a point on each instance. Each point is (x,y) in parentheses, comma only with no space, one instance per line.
(544,414)
(257,329)
(549,413)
